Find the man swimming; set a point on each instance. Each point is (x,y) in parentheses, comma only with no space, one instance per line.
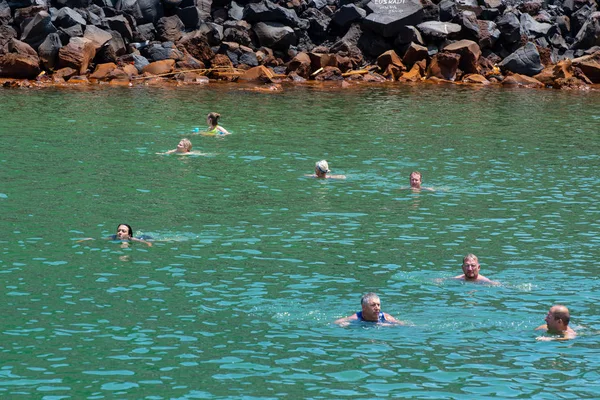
(322,171)
(557,323)
(371,312)
(471,267)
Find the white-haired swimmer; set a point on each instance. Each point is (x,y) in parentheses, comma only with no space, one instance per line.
(371,312)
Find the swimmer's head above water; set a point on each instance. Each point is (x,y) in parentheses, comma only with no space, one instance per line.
(213,118)
(184,146)
(415,180)
(124,232)
(321,168)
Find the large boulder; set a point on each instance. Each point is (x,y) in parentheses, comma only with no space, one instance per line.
(19,47)
(266,11)
(589,34)
(275,35)
(259,73)
(35,30)
(114,48)
(444,66)
(348,14)
(191,17)
(48,51)
(148,11)
(318,24)
(510,28)
(138,61)
(170,29)
(522,80)
(77,54)
(160,67)
(488,34)
(162,51)
(390,58)
(437,30)
(238,31)
(533,28)
(388,22)
(415,53)
(6,33)
(525,61)
(67,17)
(469,52)
(22,66)
(197,45)
(99,37)
(448,11)
(322,60)
(120,24)
(301,65)
(5,13)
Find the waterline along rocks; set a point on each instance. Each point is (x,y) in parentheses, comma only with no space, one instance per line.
(553,43)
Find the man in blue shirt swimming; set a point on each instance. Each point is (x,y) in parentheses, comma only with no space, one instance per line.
(371,312)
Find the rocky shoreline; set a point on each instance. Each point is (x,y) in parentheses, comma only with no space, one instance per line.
(532,43)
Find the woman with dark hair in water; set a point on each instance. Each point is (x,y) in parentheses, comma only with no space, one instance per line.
(213,125)
(125,234)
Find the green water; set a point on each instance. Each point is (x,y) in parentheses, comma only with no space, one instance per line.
(253,261)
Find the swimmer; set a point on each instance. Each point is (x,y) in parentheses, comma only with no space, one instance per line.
(471,267)
(322,171)
(183,147)
(415,182)
(213,126)
(557,323)
(124,234)
(371,312)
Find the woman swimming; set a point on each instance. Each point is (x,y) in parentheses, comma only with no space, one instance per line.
(213,125)
(124,234)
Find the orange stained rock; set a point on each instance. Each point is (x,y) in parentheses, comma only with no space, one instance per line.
(103,70)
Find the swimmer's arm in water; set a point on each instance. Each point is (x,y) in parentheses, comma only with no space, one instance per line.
(336,176)
(84,240)
(325,177)
(391,320)
(149,244)
(346,320)
(223,130)
(168,152)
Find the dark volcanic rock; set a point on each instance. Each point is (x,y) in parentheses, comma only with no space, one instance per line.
(169,28)
(121,25)
(347,14)
(532,28)
(589,34)
(48,51)
(524,61)
(35,31)
(67,17)
(275,35)
(238,32)
(266,11)
(5,14)
(437,30)
(388,22)
(510,28)
(318,24)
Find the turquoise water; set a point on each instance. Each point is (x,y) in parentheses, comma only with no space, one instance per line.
(253,261)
